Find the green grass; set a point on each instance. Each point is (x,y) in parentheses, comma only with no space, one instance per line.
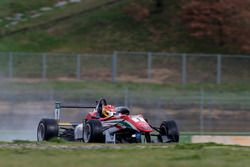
(102,85)
(102,30)
(10,7)
(219,91)
(42,39)
(76,29)
(134,155)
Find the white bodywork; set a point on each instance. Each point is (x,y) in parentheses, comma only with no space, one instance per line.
(78,132)
(109,132)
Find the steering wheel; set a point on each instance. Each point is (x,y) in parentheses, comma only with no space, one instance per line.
(102,102)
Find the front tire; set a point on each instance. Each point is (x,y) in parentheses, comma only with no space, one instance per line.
(92,132)
(170,129)
(47,129)
(147,137)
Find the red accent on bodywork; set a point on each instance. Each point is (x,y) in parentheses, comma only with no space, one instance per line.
(91,115)
(140,125)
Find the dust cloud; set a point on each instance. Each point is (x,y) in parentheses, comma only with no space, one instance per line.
(21,109)
(19,120)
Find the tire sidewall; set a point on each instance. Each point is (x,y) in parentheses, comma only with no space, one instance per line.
(170,129)
(94,128)
(41,137)
(87,128)
(51,129)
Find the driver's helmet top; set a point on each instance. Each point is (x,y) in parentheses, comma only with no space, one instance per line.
(108,110)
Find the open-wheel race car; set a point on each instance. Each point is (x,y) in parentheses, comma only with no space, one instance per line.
(106,124)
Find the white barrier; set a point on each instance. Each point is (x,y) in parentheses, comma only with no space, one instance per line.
(227,140)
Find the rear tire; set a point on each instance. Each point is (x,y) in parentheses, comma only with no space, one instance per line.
(47,129)
(170,129)
(92,132)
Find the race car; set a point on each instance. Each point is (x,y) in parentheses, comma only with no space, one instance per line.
(106,124)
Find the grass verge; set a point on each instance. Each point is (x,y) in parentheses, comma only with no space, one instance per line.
(132,155)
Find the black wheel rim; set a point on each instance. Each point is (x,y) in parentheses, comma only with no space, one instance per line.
(87,133)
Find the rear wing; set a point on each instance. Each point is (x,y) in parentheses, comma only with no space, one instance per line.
(59,106)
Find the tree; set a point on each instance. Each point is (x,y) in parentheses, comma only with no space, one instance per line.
(224,21)
(137,11)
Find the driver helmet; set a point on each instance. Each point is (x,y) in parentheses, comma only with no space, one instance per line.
(108,110)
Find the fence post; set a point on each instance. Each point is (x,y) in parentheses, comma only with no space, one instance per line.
(184,69)
(44,72)
(218,78)
(10,65)
(114,66)
(149,65)
(78,67)
(201,111)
